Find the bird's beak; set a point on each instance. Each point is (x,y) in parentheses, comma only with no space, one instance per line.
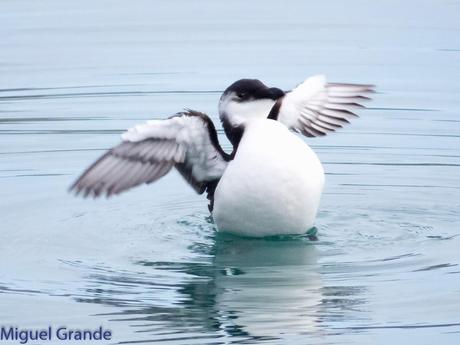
(274,93)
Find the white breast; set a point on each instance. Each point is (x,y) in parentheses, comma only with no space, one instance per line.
(272,187)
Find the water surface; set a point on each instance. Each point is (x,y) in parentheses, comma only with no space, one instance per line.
(149,264)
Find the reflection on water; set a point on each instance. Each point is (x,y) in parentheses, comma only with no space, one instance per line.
(235,288)
(148,264)
(228,293)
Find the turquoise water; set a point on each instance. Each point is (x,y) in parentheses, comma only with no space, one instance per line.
(149,265)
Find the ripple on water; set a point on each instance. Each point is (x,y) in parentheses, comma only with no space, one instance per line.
(386,258)
(222,285)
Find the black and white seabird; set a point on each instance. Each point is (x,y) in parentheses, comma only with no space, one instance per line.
(270,184)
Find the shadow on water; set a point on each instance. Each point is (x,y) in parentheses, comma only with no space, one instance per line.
(251,289)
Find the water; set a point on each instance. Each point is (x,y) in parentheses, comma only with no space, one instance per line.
(148,265)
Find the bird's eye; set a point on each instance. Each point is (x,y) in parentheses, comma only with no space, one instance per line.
(240,94)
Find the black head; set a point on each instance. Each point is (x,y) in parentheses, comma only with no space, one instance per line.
(246,99)
(243,101)
(252,89)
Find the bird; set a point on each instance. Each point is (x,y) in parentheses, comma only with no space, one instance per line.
(270,184)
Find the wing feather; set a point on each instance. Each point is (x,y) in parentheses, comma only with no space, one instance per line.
(316,108)
(187,141)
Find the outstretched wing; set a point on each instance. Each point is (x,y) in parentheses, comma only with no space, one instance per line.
(315,108)
(187,141)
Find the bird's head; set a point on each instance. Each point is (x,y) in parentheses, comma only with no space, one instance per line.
(246,99)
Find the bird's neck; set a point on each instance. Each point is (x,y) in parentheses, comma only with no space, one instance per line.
(234,134)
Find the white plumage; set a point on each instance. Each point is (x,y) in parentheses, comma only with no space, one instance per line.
(270,184)
(315,108)
(272,187)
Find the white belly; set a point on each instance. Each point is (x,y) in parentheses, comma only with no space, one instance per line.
(272,187)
